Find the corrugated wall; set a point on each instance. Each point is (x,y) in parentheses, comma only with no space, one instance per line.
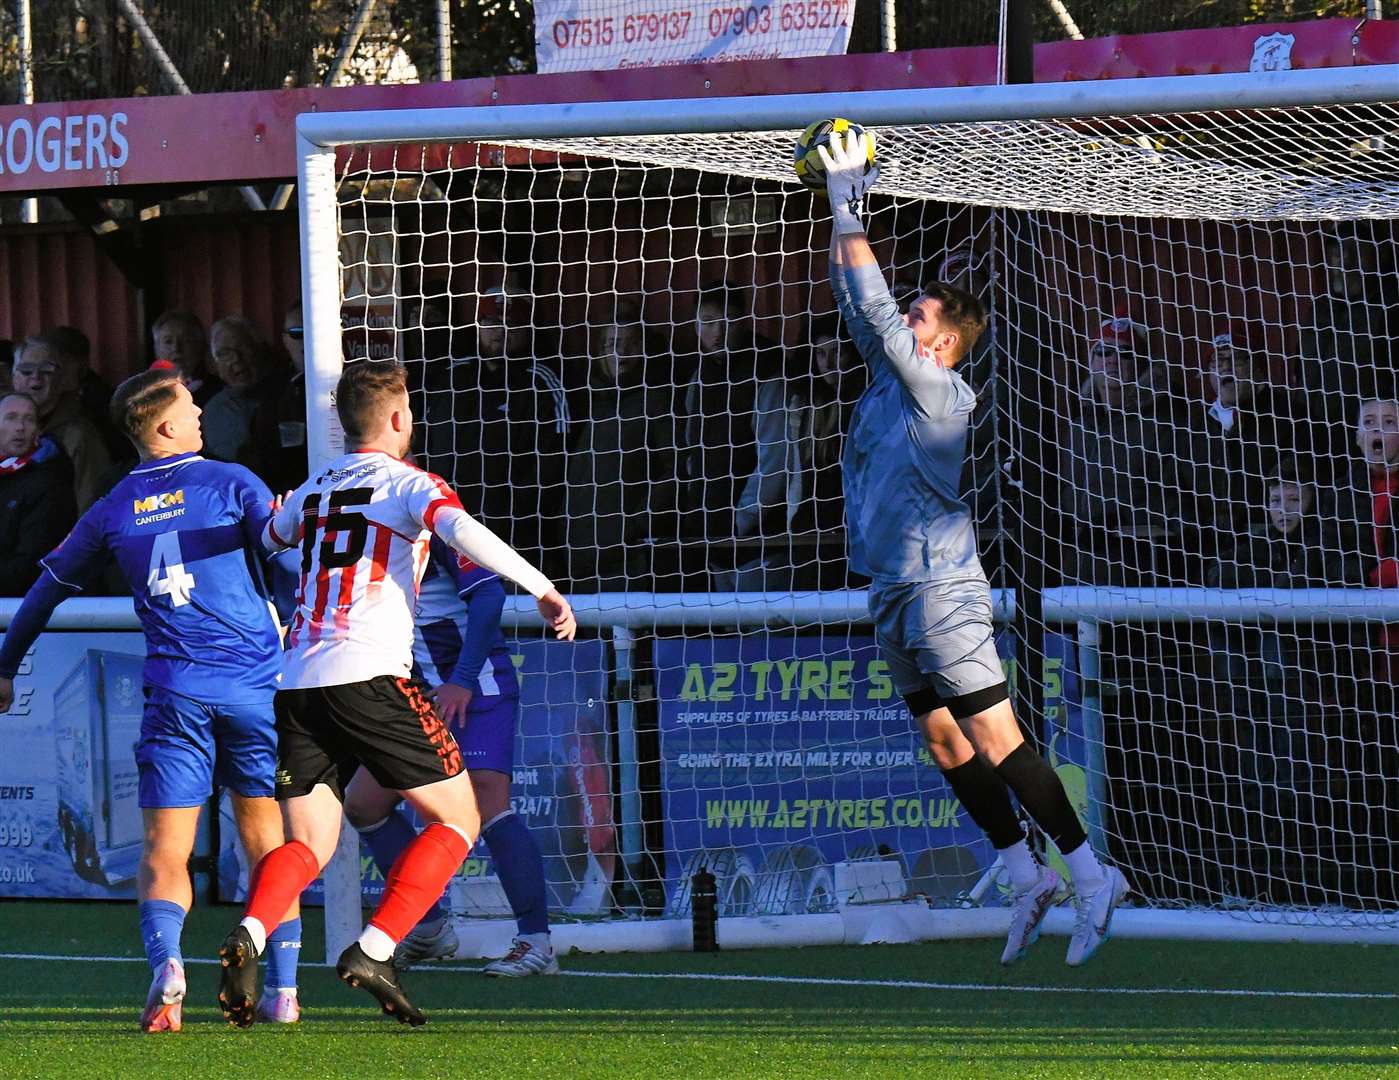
(53,275)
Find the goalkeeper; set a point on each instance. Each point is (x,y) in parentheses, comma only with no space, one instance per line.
(930,602)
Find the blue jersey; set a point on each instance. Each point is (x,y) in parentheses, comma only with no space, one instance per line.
(446,641)
(903,458)
(185,533)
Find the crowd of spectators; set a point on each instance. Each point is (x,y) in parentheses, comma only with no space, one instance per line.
(60,450)
(695,452)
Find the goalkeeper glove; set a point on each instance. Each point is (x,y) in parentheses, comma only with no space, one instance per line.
(849,175)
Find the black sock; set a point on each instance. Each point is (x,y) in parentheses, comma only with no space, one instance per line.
(985,797)
(1042,794)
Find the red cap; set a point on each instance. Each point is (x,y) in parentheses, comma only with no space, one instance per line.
(1122,333)
(164,365)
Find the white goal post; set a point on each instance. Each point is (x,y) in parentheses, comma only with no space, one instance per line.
(1065,132)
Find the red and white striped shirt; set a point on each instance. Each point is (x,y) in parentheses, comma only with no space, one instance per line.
(363,525)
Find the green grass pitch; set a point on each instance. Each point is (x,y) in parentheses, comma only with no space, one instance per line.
(1139,1009)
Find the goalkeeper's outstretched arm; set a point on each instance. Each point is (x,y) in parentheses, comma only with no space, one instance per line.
(866,305)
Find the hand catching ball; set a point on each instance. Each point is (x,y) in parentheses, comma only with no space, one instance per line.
(806,156)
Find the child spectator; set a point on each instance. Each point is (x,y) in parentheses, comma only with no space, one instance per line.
(36,494)
(1295,542)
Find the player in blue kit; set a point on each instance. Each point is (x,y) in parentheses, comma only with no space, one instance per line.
(184,532)
(914,537)
(458,649)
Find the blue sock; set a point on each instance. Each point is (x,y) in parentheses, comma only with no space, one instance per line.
(386,841)
(521,869)
(161,924)
(283,951)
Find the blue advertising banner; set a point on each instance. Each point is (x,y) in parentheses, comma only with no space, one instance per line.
(790,754)
(561,785)
(70,826)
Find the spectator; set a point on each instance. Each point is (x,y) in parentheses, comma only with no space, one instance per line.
(279,425)
(1294,542)
(1350,335)
(1375,489)
(499,428)
(7,365)
(801,416)
(1239,438)
(621,468)
(178,336)
(93,391)
(40,372)
(36,493)
(1120,500)
(718,439)
(244,367)
(968,267)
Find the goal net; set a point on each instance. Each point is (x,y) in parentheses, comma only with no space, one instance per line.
(626,356)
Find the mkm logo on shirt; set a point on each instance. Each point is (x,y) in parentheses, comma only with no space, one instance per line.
(162,501)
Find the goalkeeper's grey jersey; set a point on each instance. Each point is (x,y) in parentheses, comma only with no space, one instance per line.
(903,456)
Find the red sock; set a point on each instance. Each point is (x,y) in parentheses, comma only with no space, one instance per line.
(418,878)
(278,880)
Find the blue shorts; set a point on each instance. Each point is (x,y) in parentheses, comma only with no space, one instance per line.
(187,747)
(487,739)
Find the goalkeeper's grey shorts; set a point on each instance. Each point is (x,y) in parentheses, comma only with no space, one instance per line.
(939,642)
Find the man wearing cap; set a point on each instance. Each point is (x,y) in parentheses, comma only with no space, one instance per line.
(1117,506)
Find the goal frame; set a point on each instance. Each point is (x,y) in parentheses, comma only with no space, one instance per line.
(319,138)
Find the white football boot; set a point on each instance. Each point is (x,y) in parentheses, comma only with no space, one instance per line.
(1030,906)
(1094,919)
(524,958)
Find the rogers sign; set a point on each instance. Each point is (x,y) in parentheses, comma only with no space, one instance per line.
(75,143)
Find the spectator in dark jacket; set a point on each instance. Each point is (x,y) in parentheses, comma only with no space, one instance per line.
(279,424)
(497,427)
(621,465)
(717,414)
(1121,498)
(37,507)
(93,391)
(1295,543)
(1240,437)
(250,378)
(1349,338)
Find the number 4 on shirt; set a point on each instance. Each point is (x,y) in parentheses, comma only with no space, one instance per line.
(167,575)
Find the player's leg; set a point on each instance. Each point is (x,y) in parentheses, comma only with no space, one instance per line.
(247,765)
(165,895)
(383,824)
(262,830)
(393,729)
(487,744)
(174,761)
(984,796)
(520,866)
(309,772)
(1099,889)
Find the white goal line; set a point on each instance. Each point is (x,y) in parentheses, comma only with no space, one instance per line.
(802,980)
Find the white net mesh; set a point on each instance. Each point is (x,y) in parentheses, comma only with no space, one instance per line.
(1186,384)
